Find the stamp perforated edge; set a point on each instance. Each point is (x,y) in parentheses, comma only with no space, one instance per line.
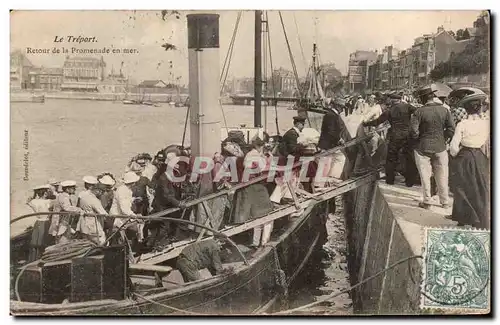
(450,309)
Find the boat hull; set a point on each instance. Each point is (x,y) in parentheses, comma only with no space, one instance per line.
(257,287)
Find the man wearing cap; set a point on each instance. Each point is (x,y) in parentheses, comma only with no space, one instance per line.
(106,184)
(167,195)
(399,116)
(61,226)
(54,188)
(40,237)
(90,227)
(198,256)
(334,133)
(431,126)
(122,205)
(140,188)
(289,144)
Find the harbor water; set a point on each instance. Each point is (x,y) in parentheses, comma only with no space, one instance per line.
(68,139)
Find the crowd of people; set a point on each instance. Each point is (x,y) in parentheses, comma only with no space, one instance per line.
(427,140)
(449,146)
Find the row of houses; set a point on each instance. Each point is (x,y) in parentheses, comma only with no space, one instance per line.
(394,69)
(282,81)
(78,74)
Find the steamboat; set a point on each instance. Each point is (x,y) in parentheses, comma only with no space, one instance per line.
(83,279)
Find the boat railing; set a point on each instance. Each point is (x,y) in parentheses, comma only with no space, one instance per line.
(208,197)
(175,248)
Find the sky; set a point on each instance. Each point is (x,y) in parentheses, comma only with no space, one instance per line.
(337,33)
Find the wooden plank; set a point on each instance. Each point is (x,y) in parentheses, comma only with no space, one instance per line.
(293,194)
(210,220)
(176,248)
(150,267)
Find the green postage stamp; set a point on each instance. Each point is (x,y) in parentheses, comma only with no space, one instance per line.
(456,270)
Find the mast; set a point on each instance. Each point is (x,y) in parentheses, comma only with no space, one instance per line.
(257,115)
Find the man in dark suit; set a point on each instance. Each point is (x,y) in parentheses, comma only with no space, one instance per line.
(334,133)
(333,129)
(398,115)
(289,145)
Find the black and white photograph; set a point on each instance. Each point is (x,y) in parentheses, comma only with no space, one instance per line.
(250,162)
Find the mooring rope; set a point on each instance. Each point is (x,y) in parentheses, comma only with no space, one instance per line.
(333,295)
(57,253)
(165,306)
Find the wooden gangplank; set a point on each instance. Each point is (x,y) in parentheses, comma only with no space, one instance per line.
(329,193)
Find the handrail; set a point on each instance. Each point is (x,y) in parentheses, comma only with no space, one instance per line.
(159,215)
(121,216)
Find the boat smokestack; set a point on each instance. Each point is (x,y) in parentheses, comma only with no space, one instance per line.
(204,84)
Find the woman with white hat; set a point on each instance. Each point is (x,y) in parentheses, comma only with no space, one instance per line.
(61,225)
(40,237)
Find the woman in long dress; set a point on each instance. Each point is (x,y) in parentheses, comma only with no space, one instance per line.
(253,201)
(470,179)
(40,237)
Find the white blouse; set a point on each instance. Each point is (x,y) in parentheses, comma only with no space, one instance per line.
(472,132)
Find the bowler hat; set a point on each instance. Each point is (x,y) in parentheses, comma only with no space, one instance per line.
(297,119)
(395,96)
(258,142)
(426,90)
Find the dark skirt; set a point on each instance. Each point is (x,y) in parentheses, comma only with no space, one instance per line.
(469,182)
(40,239)
(251,202)
(40,236)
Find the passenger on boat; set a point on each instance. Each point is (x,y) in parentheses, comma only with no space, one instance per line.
(333,133)
(252,201)
(235,145)
(145,160)
(122,204)
(399,116)
(106,185)
(430,126)
(91,227)
(140,189)
(470,175)
(198,256)
(54,188)
(40,236)
(167,195)
(62,226)
(289,145)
